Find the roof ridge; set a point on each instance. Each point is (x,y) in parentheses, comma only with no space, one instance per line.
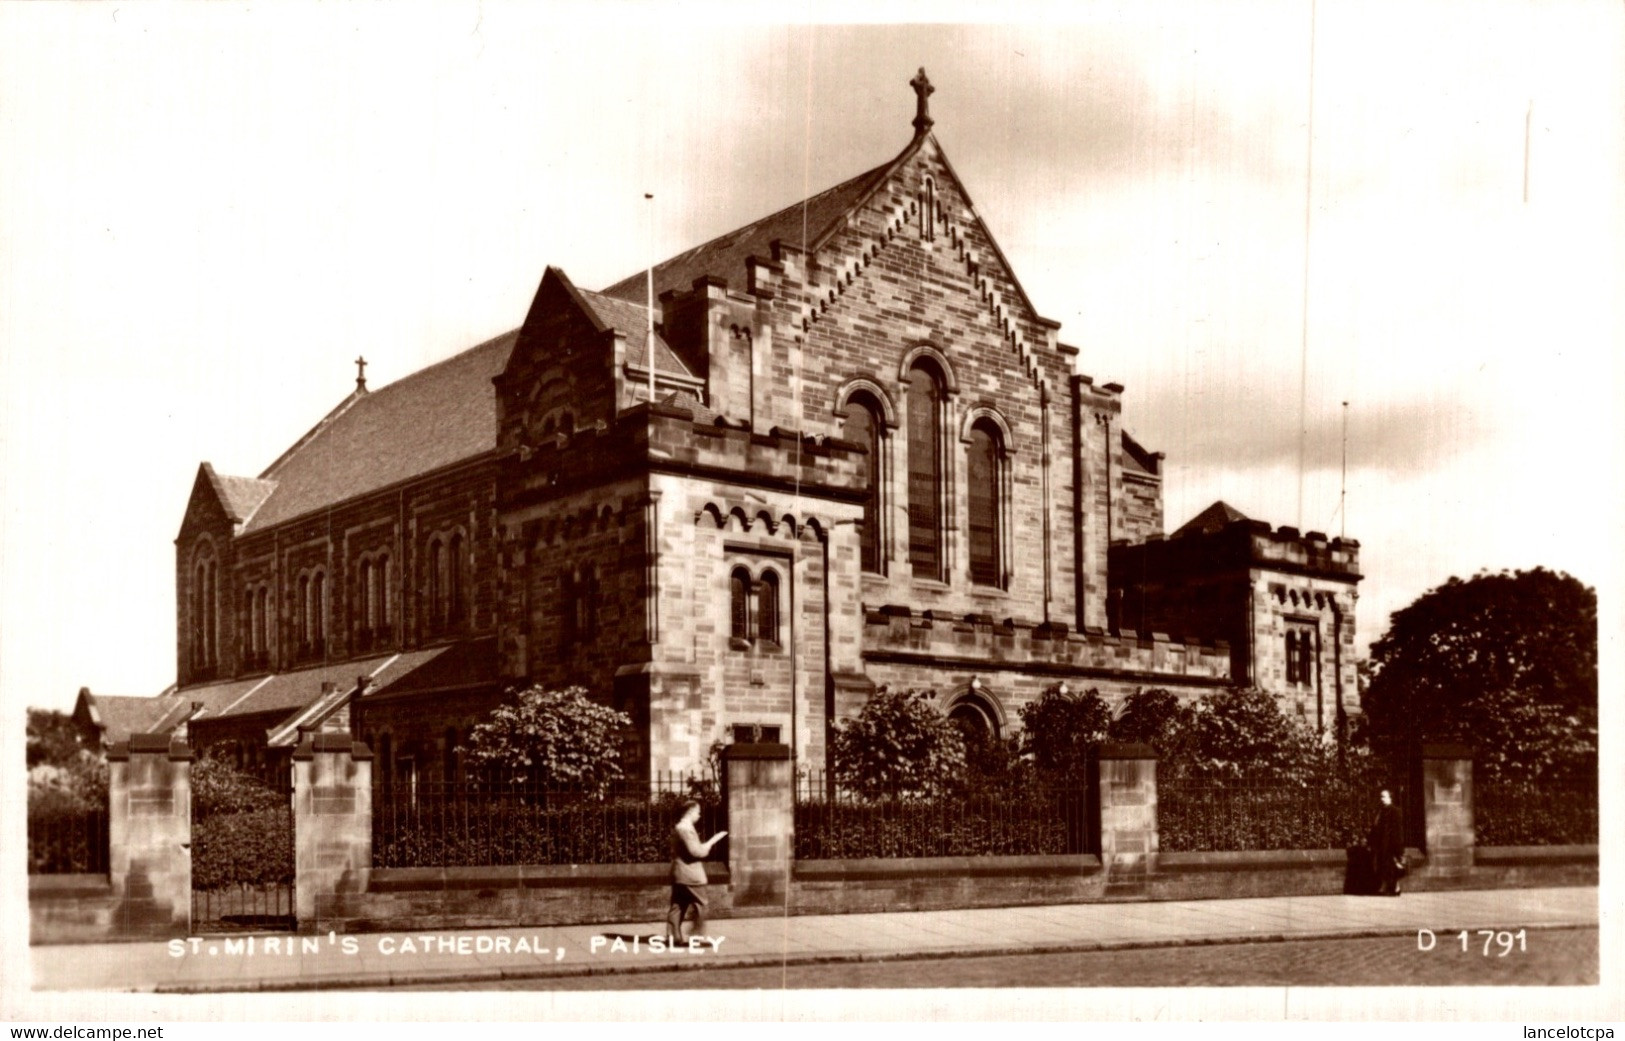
(614,289)
(360,393)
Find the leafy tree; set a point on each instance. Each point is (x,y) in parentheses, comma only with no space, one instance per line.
(560,739)
(54,740)
(1158,718)
(1061,730)
(219,787)
(1506,663)
(898,745)
(1240,734)
(991,762)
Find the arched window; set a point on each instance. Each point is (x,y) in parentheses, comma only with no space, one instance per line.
(739,604)
(925,400)
(303,619)
(983,484)
(589,602)
(205,612)
(863,426)
(454,582)
(767,607)
(318,604)
(267,623)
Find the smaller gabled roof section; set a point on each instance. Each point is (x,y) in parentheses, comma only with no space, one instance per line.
(802,223)
(239,496)
(1215,518)
(632,321)
(117,716)
(1136,457)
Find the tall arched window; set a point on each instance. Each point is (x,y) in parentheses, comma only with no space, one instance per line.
(267,623)
(983,484)
(863,426)
(739,604)
(205,612)
(454,582)
(303,613)
(318,604)
(767,607)
(925,400)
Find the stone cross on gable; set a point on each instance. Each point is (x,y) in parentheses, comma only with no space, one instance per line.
(922,107)
(360,372)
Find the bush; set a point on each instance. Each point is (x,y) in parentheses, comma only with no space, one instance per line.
(1061,730)
(252,847)
(219,787)
(1535,815)
(898,746)
(556,738)
(242,830)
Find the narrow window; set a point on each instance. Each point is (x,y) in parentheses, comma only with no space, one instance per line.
(589,603)
(456,610)
(572,608)
(739,597)
(318,605)
(437,564)
(767,607)
(863,427)
(304,614)
(924,473)
(982,485)
(267,636)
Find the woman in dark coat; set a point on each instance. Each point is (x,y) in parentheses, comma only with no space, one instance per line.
(1387,843)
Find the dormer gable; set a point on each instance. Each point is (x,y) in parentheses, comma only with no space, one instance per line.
(221,504)
(581,357)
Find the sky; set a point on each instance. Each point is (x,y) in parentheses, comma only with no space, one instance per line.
(1246,213)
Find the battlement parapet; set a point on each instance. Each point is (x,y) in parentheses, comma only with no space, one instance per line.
(668,438)
(1038,646)
(1240,545)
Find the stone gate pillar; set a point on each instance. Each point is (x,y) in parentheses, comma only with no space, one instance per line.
(1447,809)
(759,785)
(149,836)
(332,824)
(1126,787)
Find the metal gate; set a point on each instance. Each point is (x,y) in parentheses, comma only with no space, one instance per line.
(243,867)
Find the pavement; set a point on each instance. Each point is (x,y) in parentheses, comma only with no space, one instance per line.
(272,962)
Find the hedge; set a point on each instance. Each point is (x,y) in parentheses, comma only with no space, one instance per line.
(251,848)
(1534,815)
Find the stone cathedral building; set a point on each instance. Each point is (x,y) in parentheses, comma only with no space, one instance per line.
(869,460)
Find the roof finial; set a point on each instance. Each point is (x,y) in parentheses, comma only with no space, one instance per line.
(360,373)
(922,107)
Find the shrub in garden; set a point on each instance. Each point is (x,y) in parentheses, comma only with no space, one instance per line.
(898,746)
(1061,731)
(240,828)
(555,738)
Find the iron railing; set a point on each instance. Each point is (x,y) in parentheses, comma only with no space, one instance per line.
(68,841)
(1203,817)
(1026,820)
(1535,814)
(495,820)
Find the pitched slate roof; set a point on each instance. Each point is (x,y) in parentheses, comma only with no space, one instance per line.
(1220,515)
(435,417)
(118,716)
(288,691)
(632,319)
(724,256)
(240,496)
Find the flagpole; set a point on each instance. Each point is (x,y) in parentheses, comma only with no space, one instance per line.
(649,342)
